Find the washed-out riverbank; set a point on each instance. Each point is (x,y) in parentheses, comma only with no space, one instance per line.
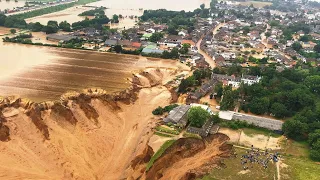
(45,73)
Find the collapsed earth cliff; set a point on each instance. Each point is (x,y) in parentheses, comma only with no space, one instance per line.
(88,135)
(185,159)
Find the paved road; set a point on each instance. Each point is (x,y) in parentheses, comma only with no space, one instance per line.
(209,59)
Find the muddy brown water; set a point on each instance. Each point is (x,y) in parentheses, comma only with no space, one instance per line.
(45,73)
(123,7)
(11,4)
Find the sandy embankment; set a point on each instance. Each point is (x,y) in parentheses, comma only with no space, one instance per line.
(95,137)
(190,158)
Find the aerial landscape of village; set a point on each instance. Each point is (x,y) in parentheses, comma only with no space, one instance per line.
(170,90)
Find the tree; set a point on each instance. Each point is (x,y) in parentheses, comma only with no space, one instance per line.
(313,82)
(115,18)
(246,29)
(50,29)
(305,38)
(65,26)
(268,34)
(185,83)
(197,116)
(295,129)
(13,31)
(317,48)
(259,105)
(174,53)
(213,4)
(185,48)
(156,37)
(315,152)
(228,99)
(158,111)
(255,71)
(279,110)
(202,6)
(2,19)
(218,88)
(53,23)
(296,46)
(13,22)
(118,48)
(172,29)
(313,137)
(36,27)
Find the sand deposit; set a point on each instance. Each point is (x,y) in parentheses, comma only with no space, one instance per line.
(88,136)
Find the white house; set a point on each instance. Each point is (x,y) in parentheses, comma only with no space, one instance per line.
(150,30)
(250,80)
(234,83)
(181,33)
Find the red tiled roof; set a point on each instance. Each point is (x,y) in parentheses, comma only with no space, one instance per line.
(136,44)
(188,42)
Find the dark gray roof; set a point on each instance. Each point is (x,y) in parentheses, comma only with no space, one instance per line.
(110,42)
(61,37)
(176,115)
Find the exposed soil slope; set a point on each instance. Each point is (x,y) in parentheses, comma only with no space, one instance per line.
(191,158)
(89,135)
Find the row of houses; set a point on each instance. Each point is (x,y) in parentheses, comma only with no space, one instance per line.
(236,81)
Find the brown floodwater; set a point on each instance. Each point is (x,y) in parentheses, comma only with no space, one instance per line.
(45,73)
(123,7)
(11,4)
(187,5)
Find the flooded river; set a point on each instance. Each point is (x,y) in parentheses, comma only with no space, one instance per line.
(11,4)
(123,7)
(187,5)
(44,73)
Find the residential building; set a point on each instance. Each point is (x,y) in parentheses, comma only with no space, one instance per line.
(178,116)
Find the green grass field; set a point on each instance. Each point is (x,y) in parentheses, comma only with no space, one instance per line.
(162,134)
(298,165)
(233,170)
(254,131)
(295,163)
(159,153)
(300,169)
